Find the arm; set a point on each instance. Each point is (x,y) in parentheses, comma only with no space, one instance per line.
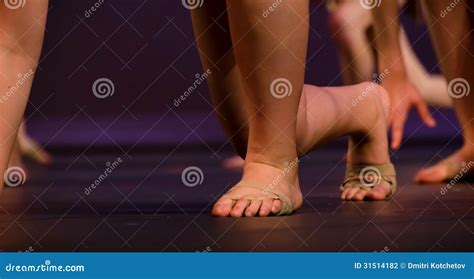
(403,94)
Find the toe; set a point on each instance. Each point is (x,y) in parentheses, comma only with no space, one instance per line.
(253,208)
(222,207)
(277,206)
(379,192)
(351,193)
(239,208)
(344,193)
(360,195)
(266,207)
(433,174)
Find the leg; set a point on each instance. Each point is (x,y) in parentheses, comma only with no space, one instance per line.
(266,51)
(368,149)
(349,23)
(453,42)
(328,113)
(211,28)
(432,87)
(21,38)
(338,111)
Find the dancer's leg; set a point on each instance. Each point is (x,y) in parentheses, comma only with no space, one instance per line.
(267,50)
(360,111)
(211,28)
(432,87)
(349,23)
(21,39)
(369,140)
(453,40)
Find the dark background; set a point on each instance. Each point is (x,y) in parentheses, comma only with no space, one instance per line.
(147,49)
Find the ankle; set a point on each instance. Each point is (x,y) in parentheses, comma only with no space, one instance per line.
(278,162)
(270,172)
(467,150)
(277,156)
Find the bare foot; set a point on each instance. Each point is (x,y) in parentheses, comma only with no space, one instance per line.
(250,201)
(325,113)
(370,148)
(460,163)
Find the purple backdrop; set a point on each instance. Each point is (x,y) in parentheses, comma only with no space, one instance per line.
(146,49)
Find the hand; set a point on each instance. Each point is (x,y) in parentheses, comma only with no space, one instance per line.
(404,96)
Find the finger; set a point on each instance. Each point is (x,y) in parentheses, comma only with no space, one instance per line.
(397,131)
(425,114)
(392,116)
